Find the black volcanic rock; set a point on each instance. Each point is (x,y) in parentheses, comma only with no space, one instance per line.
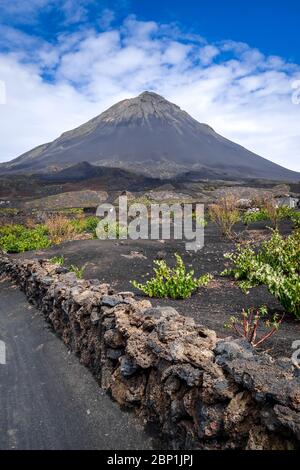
(149,135)
(106,178)
(83,171)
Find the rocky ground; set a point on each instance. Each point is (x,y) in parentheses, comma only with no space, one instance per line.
(119,262)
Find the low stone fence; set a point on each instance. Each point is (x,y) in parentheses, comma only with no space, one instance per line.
(200,392)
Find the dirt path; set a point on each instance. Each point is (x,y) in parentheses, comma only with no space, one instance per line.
(47,399)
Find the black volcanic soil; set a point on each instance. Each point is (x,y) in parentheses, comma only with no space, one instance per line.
(118,262)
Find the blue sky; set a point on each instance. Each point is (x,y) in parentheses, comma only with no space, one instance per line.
(270,25)
(233,64)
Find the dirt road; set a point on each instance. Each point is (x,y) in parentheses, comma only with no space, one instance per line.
(47,399)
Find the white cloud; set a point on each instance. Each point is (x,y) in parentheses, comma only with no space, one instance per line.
(28,11)
(176,53)
(244,95)
(208,53)
(23,7)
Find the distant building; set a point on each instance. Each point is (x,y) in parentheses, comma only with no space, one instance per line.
(288,201)
(244,203)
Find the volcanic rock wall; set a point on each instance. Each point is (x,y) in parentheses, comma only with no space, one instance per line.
(201,392)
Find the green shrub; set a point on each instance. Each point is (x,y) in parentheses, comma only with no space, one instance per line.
(200,221)
(60,260)
(275,214)
(285,212)
(9,211)
(276,264)
(251,217)
(17,238)
(91,223)
(87,224)
(295,218)
(111,230)
(270,212)
(77,270)
(175,283)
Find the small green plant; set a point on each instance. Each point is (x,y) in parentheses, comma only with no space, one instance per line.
(175,283)
(248,325)
(295,218)
(276,264)
(111,230)
(200,221)
(60,260)
(77,270)
(250,217)
(18,238)
(87,224)
(10,211)
(268,209)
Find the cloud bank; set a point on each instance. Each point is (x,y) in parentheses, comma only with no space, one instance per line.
(51,87)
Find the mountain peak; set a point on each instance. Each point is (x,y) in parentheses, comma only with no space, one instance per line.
(151,135)
(143,109)
(151,95)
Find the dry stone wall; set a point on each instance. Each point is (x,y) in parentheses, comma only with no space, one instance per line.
(199,391)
